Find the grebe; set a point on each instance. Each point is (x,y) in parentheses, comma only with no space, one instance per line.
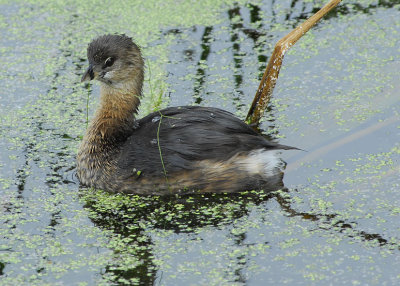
(187,149)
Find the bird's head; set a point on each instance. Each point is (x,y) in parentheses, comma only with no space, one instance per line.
(114,60)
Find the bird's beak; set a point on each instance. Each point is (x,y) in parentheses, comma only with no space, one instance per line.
(88,75)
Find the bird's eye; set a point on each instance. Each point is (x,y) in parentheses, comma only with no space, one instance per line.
(108,62)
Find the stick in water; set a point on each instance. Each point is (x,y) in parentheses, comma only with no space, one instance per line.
(271,73)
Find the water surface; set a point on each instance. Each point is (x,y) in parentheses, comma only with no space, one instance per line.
(336,98)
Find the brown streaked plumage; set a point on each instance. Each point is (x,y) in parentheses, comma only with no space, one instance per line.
(203,149)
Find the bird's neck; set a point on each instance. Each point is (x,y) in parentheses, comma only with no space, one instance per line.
(116,113)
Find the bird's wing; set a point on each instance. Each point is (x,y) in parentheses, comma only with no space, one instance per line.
(174,139)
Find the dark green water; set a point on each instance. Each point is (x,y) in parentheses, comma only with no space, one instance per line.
(337,97)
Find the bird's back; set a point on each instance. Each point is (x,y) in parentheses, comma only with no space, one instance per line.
(192,148)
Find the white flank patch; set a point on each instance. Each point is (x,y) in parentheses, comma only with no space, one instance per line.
(263,162)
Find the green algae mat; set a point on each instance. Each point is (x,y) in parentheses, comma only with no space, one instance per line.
(337,222)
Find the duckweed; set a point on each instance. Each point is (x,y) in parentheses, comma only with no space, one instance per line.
(337,220)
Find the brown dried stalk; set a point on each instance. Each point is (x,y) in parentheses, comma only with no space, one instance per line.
(271,73)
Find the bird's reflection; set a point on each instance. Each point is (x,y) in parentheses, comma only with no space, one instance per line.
(129,218)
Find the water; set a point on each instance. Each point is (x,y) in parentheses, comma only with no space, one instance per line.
(336,98)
